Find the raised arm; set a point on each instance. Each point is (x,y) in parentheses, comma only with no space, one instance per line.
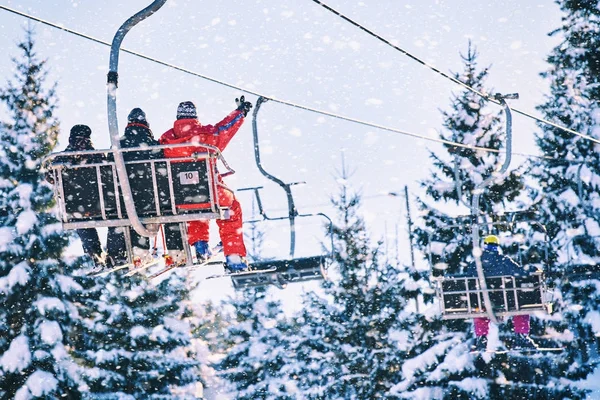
(228,127)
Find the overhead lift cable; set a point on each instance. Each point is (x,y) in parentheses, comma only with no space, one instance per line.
(284,102)
(483,95)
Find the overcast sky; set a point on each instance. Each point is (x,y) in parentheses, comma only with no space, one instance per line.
(297,51)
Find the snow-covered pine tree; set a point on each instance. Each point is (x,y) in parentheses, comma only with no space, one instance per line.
(36,288)
(500,376)
(255,363)
(210,322)
(570,178)
(252,340)
(136,342)
(352,338)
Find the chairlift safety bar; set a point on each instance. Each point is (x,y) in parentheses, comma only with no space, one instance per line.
(510,304)
(213,211)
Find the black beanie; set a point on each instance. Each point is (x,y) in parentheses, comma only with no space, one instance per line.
(137,116)
(186,110)
(80,131)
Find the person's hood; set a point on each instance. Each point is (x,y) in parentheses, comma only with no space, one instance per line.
(183,130)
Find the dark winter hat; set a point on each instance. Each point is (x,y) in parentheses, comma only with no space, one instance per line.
(187,109)
(137,116)
(80,131)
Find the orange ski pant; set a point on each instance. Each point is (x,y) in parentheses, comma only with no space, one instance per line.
(230,229)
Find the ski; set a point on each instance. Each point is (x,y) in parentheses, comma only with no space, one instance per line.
(142,267)
(165,270)
(110,271)
(176,265)
(242,273)
(216,251)
(520,351)
(212,260)
(537,350)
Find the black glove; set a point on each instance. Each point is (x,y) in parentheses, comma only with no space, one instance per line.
(243,105)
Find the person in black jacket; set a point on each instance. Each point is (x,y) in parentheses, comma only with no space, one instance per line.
(79,183)
(137,134)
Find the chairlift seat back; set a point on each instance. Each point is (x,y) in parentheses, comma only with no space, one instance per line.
(81,193)
(192,189)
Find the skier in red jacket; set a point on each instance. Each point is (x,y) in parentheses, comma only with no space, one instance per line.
(187,129)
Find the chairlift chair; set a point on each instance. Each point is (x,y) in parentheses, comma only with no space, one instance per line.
(484,296)
(183,189)
(283,271)
(461,297)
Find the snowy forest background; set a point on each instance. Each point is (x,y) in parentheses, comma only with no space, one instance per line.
(372,331)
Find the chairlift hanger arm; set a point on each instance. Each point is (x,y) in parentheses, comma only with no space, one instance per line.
(292,212)
(477,194)
(330,225)
(113,126)
(261,209)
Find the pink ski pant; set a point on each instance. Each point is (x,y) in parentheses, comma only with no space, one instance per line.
(520,323)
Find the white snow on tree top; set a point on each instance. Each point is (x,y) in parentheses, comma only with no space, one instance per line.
(39,384)
(18,275)
(18,355)
(45,304)
(50,332)
(475,386)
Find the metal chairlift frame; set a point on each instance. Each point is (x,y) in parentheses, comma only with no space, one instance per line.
(113,125)
(466,293)
(175,213)
(280,272)
(123,219)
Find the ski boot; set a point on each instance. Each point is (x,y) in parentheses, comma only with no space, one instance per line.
(99,264)
(141,257)
(114,262)
(203,252)
(175,258)
(236,263)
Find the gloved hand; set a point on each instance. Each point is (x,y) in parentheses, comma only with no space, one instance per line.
(243,105)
